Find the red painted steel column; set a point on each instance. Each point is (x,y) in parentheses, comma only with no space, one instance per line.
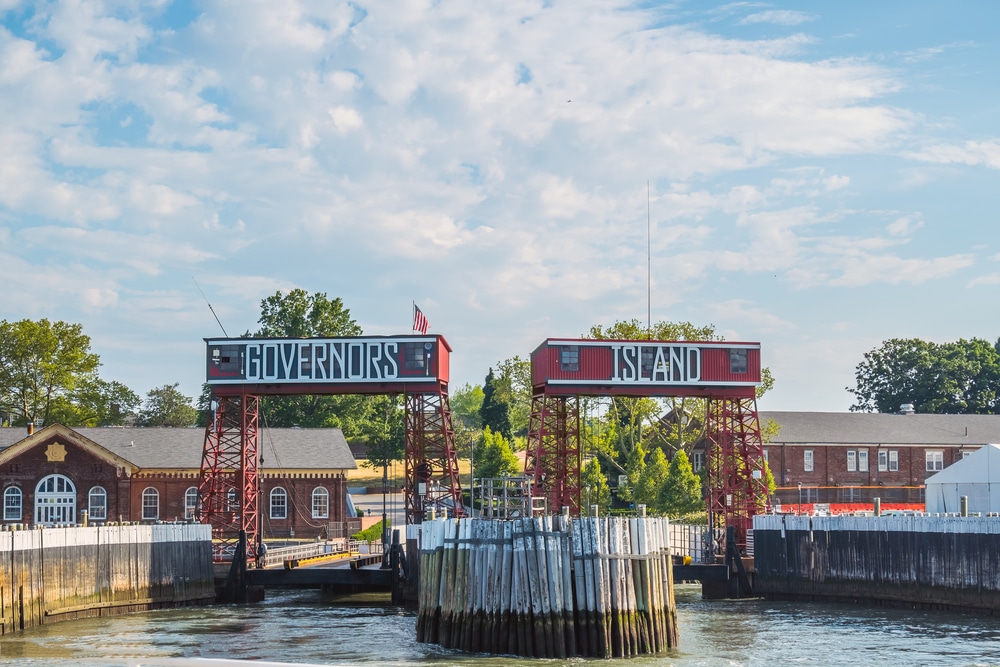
(230,482)
(737,484)
(431,463)
(552,460)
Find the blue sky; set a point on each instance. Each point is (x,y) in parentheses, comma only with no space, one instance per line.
(821,175)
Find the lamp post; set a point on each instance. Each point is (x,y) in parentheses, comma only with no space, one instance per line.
(798,510)
(385,523)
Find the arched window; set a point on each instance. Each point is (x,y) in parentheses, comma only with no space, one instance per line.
(97,503)
(150,504)
(279,503)
(55,500)
(190,503)
(12,499)
(321,503)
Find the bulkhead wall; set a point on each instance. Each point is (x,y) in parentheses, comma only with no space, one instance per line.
(55,574)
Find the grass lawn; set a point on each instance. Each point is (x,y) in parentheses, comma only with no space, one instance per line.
(373,477)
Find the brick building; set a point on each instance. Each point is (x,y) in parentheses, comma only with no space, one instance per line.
(151,474)
(853,457)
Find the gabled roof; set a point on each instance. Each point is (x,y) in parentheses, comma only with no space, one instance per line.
(67,435)
(181,448)
(875,428)
(981,466)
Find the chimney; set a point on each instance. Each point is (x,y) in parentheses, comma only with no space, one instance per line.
(906,409)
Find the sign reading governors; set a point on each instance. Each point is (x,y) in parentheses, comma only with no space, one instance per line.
(325,361)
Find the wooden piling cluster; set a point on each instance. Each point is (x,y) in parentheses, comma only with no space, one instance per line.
(62,573)
(547,587)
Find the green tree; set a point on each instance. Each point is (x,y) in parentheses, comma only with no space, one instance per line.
(494,412)
(299,314)
(96,402)
(167,406)
(41,364)
(384,431)
(635,465)
(494,456)
(651,480)
(594,485)
(512,387)
(681,492)
(962,377)
(466,402)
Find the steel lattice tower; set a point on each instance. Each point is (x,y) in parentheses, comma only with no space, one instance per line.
(230,481)
(431,461)
(737,483)
(552,463)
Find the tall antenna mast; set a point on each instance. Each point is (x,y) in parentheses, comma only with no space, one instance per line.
(210,307)
(649,282)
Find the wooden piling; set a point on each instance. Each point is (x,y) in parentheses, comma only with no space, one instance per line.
(547,587)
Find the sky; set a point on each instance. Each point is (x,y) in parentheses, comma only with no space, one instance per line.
(816,177)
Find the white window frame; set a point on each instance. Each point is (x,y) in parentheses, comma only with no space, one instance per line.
(150,504)
(852,460)
(883,460)
(190,503)
(97,503)
(808,462)
(10,494)
(934,460)
(697,461)
(893,460)
(862,460)
(55,500)
(320,503)
(278,501)
(966,453)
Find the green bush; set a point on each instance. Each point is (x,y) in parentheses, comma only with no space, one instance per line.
(370,534)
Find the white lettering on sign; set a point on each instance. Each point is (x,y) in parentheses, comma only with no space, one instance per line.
(657,364)
(349,360)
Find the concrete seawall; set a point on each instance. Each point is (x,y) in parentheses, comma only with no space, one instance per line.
(945,562)
(54,574)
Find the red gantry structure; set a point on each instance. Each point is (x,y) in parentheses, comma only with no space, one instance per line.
(725,374)
(241,370)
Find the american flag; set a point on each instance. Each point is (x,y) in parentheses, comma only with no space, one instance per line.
(420,322)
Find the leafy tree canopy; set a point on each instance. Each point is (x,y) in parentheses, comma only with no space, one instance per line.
(298,314)
(466,401)
(494,413)
(681,492)
(595,485)
(962,377)
(95,402)
(167,406)
(494,456)
(41,365)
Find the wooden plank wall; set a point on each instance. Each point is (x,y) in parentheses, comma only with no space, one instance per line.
(927,561)
(547,587)
(55,574)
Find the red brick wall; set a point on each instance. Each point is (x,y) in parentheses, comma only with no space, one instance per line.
(82,468)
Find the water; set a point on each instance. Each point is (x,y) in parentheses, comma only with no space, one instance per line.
(298,627)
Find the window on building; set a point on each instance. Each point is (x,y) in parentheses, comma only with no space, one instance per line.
(935,459)
(852,460)
(862,460)
(232,502)
(150,504)
(279,503)
(55,501)
(737,361)
(569,358)
(320,503)
(807,460)
(97,503)
(191,503)
(697,461)
(883,460)
(893,460)
(766,460)
(12,499)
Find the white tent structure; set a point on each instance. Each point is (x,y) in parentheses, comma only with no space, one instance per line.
(977,477)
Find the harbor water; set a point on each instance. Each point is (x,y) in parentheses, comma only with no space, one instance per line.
(298,627)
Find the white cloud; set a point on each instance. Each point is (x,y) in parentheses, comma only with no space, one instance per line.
(972,153)
(779,17)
